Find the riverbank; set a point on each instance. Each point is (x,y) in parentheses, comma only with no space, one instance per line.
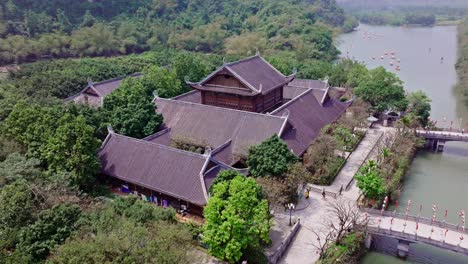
(462,62)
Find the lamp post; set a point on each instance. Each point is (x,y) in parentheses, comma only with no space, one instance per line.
(291,208)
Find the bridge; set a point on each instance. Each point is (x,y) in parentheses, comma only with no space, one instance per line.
(435,140)
(392,233)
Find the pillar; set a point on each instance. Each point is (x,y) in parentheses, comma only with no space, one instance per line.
(403,249)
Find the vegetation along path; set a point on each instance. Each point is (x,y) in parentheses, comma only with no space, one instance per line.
(303,248)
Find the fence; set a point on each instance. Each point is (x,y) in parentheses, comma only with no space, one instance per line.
(413,218)
(318,190)
(415,238)
(276,256)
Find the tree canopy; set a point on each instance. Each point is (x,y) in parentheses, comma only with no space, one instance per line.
(131,111)
(420,106)
(271,158)
(370,181)
(237,219)
(383,90)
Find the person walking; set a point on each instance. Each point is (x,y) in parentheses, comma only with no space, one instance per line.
(341,189)
(323,193)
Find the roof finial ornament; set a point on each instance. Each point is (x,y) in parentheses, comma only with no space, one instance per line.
(286,113)
(257,52)
(207,151)
(186,78)
(294,71)
(260,88)
(224,60)
(110,129)
(155,94)
(90,82)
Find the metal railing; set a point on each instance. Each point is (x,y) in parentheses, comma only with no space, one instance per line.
(443,135)
(318,190)
(419,219)
(416,238)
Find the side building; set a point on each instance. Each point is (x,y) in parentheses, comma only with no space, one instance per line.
(94,93)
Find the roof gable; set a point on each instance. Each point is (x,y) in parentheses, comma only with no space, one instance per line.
(254,72)
(306,127)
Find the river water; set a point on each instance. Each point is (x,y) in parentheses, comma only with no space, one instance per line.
(434,178)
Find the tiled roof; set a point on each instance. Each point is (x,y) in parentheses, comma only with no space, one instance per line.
(255,72)
(290,92)
(106,87)
(214,126)
(102,89)
(193,96)
(160,168)
(306,83)
(307,117)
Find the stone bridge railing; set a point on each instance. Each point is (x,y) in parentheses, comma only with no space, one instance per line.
(443,135)
(415,238)
(413,218)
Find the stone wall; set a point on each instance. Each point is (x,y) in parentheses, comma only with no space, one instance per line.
(274,257)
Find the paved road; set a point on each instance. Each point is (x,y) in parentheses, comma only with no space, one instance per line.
(302,248)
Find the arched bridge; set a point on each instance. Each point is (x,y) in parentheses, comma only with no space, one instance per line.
(435,140)
(413,229)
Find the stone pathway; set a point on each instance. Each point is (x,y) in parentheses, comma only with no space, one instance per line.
(302,248)
(356,159)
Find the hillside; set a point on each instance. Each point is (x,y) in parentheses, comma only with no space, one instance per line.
(33,30)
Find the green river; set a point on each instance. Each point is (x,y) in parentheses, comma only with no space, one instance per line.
(427,57)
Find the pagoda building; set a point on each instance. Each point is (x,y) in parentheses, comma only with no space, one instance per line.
(251,84)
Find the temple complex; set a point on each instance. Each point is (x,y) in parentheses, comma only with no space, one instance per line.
(240,104)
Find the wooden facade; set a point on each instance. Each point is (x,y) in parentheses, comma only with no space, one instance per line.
(228,92)
(138,190)
(260,103)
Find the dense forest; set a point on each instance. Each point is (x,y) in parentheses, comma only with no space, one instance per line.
(33,30)
(397,13)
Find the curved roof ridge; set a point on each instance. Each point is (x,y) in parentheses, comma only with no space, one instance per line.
(243,60)
(216,107)
(161,146)
(117,78)
(290,102)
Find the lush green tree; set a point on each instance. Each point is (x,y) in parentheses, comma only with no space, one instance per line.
(88,19)
(52,228)
(190,65)
(345,137)
(271,158)
(383,90)
(72,148)
(16,211)
(140,211)
(17,166)
(420,106)
(162,80)
(370,182)
(96,40)
(237,218)
(131,111)
(127,242)
(225,175)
